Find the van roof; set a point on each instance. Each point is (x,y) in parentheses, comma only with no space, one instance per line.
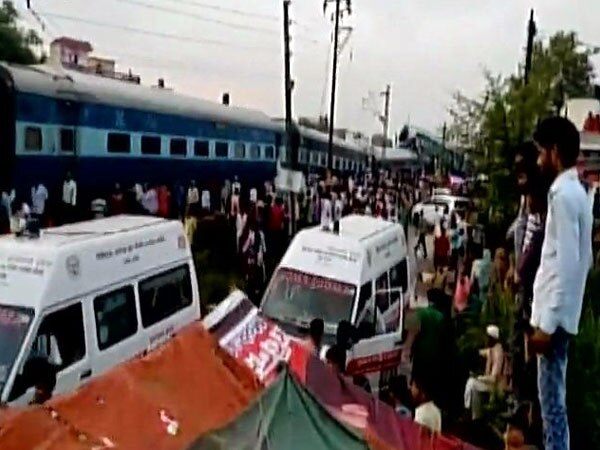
(71,260)
(364,248)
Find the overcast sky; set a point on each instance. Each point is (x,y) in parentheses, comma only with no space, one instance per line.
(426,49)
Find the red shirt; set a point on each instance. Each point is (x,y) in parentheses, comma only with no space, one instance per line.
(164,201)
(276,218)
(117,204)
(441,246)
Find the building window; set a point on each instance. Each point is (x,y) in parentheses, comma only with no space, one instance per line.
(178,147)
(151,145)
(33,139)
(116,318)
(67,140)
(118,143)
(239,150)
(201,149)
(163,295)
(269,152)
(222,150)
(254,151)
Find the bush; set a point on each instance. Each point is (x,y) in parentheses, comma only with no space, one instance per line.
(214,285)
(583,378)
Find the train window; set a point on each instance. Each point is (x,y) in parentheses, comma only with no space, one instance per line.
(201,149)
(269,152)
(314,158)
(221,149)
(323,159)
(67,140)
(302,155)
(178,147)
(254,151)
(118,143)
(239,150)
(33,139)
(151,145)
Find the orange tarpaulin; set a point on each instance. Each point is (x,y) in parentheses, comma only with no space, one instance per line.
(162,401)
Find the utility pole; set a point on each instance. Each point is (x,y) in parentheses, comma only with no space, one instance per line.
(292,133)
(385,119)
(531,32)
(336,31)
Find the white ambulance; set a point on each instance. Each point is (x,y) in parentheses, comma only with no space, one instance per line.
(89,296)
(358,273)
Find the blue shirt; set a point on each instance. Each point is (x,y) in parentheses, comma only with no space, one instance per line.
(566,257)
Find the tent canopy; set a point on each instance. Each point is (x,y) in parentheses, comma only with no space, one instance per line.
(285,417)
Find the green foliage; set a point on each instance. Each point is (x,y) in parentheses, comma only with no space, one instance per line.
(214,285)
(583,384)
(16,43)
(506,113)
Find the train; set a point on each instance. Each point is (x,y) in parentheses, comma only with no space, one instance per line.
(103,131)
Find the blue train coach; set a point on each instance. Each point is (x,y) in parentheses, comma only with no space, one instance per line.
(104,131)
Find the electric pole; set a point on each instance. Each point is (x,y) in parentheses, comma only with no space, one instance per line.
(336,31)
(531,32)
(292,132)
(385,119)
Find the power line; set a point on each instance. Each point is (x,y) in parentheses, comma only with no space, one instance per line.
(226,10)
(233,25)
(141,31)
(179,12)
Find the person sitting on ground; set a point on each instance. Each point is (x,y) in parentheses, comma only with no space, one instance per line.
(427,413)
(492,379)
(400,397)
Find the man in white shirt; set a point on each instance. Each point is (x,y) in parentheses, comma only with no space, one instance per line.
(427,413)
(39,196)
(69,198)
(193,196)
(560,281)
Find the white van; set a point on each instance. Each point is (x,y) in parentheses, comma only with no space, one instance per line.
(91,295)
(359,274)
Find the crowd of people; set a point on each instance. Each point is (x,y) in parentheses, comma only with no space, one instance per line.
(543,266)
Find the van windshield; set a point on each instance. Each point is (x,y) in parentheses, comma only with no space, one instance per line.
(297,298)
(14,324)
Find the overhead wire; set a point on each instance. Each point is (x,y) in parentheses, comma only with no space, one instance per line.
(218,8)
(224,23)
(141,31)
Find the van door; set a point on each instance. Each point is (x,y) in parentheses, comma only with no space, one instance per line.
(116,338)
(378,352)
(61,340)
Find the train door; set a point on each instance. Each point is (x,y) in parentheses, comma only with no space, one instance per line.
(7,129)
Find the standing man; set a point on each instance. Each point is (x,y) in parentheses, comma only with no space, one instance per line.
(560,281)
(69,198)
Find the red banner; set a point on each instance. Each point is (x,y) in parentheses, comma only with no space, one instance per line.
(260,344)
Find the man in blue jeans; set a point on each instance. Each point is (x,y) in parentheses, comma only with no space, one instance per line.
(560,281)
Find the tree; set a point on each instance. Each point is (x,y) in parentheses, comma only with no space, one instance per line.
(16,43)
(507,112)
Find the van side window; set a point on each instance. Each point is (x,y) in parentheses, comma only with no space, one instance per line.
(115,316)
(382,298)
(163,295)
(61,337)
(366,291)
(399,279)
